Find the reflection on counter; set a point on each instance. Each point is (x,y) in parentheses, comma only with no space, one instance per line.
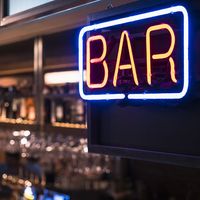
(56,162)
(59,166)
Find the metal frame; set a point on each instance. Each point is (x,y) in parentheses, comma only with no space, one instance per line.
(45,9)
(133,153)
(48,23)
(139,154)
(2,7)
(135,18)
(39,82)
(158,157)
(34,12)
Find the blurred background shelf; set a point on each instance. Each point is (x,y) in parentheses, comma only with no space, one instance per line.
(18,126)
(62,96)
(42,79)
(17,121)
(77,132)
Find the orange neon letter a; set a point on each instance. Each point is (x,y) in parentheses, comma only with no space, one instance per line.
(160,56)
(127,66)
(96,60)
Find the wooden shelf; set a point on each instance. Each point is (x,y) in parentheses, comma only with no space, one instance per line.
(69,125)
(65,66)
(16,121)
(48,53)
(18,124)
(64,20)
(77,132)
(62,96)
(10,72)
(67,128)
(15,96)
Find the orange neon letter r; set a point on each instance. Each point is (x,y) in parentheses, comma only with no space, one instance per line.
(96,60)
(160,56)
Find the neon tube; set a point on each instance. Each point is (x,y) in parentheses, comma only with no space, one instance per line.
(135,18)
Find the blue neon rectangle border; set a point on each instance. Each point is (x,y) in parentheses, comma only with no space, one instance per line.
(134,18)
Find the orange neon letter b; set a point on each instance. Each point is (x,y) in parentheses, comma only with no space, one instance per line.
(160,56)
(96,60)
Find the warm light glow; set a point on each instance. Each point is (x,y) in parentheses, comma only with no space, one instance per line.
(16,133)
(28,183)
(23,141)
(4,176)
(70,125)
(15,121)
(172,71)
(160,56)
(63,77)
(12,142)
(85,149)
(21,181)
(28,193)
(96,60)
(49,149)
(23,155)
(26,133)
(127,66)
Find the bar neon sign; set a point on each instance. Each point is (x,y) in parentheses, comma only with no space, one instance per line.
(143,56)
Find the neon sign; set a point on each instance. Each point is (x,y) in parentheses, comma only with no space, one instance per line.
(143,56)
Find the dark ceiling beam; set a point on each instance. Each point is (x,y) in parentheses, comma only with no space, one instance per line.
(60,21)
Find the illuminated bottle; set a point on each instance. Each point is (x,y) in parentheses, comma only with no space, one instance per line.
(30,106)
(59,111)
(23,111)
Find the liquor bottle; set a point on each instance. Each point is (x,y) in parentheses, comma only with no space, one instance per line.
(24,86)
(78,111)
(30,106)
(67,111)
(52,110)
(73,88)
(3,111)
(59,111)
(48,111)
(11,92)
(15,108)
(23,111)
(8,108)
